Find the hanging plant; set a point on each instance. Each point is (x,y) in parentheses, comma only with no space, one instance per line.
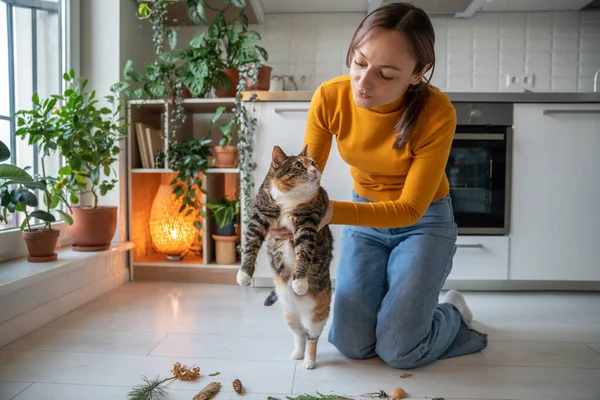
(197,9)
(156,13)
(246,127)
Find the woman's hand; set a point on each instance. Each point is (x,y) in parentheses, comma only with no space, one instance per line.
(282,233)
(327,217)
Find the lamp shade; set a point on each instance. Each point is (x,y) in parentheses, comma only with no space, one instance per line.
(172,232)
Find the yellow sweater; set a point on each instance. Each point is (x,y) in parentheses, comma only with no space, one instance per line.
(402,182)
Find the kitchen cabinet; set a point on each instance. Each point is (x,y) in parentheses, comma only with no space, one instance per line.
(283,124)
(480,258)
(555,217)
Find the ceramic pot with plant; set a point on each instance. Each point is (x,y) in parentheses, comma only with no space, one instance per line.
(225,213)
(226,155)
(239,48)
(89,144)
(17,194)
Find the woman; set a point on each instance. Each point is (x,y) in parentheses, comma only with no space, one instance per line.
(395,131)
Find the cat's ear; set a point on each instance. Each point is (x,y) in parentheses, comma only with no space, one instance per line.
(278,157)
(304,151)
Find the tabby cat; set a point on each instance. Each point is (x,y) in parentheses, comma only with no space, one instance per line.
(291,196)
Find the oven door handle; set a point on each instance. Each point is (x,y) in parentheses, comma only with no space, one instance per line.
(550,112)
(479,136)
(470,246)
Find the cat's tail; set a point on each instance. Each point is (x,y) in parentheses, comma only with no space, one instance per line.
(271,298)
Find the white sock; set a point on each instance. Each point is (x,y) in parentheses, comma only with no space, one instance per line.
(457,300)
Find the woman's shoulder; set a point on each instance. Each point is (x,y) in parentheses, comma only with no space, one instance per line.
(334,89)
(437,102)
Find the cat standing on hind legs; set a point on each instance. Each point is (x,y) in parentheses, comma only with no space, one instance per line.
(291,196)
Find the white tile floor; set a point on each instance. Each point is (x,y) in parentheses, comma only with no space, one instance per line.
(542,346)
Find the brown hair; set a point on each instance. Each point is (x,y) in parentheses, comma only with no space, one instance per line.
(414,24)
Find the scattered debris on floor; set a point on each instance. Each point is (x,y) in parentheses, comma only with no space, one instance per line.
(311,397)
(406,375)
(214,373)
(151,390)
(184,373)
(237,386)
(381,394)
(208,392)
(398,394)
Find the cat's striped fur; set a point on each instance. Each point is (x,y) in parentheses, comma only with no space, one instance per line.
(291,196)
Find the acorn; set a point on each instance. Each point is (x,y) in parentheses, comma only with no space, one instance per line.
(237,386)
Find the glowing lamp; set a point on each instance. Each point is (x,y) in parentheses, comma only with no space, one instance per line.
(172,232)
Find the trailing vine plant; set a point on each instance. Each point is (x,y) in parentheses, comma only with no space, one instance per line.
(156,14)
(163,78)
(246,126)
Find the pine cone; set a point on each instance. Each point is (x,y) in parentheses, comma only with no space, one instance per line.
(237,386)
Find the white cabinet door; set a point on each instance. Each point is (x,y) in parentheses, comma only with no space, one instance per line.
(284,124)
(480,258)
(555,224)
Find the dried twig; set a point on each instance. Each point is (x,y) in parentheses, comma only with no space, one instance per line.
(381,394)
(208,392)
(214,373)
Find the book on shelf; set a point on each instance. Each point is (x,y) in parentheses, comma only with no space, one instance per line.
(149,143)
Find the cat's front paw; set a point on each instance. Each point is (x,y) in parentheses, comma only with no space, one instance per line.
(309,364)
(298,354)
(300,286)
(243,279)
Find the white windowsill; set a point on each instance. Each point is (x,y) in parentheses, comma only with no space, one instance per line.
(18,273)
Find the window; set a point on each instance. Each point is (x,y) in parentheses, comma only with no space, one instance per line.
(33,49)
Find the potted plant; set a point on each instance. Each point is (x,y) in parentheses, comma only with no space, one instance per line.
(201,66)
(239,48)
(17,188)
(89,143)
(225,213)
(225,153)
(190,159)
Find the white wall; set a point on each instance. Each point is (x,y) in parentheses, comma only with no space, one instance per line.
(110,35)
(562,49)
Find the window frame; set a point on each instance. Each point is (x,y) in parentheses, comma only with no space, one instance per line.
(12,244)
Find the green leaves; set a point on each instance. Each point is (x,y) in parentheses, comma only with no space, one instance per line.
(4,152)
(27,198)
(14,174)
(66,217)
(143,11)
(196,11)
(172,38)
(43,215)
(237,3)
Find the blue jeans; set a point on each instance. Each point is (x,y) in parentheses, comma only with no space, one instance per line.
(387,290)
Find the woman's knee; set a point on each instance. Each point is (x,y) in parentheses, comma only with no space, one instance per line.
(352,344)
(400,351)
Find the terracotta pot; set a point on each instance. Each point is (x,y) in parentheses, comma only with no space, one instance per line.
(234,78)
(226,156)
(225,249)
(41,245)
(263,81)
(93,228)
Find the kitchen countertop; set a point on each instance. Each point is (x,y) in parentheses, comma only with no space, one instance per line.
(460,97)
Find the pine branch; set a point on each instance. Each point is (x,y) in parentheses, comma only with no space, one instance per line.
(151,390)
(320,397)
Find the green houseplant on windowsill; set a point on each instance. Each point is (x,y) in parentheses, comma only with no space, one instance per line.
(17,193)
(89,142)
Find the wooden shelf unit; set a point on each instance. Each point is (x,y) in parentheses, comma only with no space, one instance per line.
(143,183)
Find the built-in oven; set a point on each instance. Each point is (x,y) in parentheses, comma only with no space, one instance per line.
(479,168)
